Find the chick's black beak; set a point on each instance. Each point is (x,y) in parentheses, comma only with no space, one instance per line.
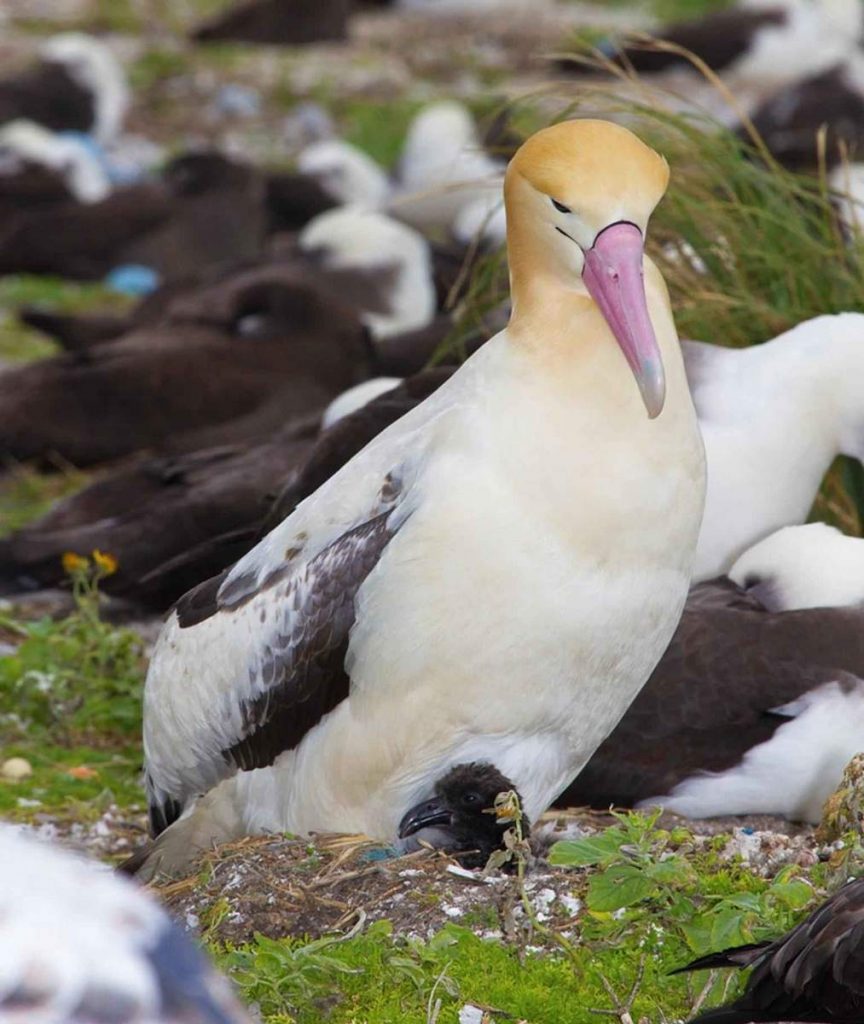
(430,812)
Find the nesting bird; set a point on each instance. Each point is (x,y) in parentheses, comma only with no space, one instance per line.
(77,85)
(446,179)
(492,579)
(758,704)
(779,412)
(772,42)
(79,944)
(286,336)
(792,121)
(286,22)
(204,210)
(40,168)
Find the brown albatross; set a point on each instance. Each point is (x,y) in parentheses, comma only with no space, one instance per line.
(753,708)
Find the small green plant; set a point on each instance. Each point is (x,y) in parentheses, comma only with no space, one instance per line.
(70,705)
(283,976)
(655,879)
(76,679)
(26,494)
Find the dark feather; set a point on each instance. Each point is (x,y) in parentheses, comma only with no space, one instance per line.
(48,94)
(200,602)
(285,22)
(814,973)
(293,199)
(719,39)
(707,702)
(26,186)
(308,667)
(790,122)
(75,332)
(302,666)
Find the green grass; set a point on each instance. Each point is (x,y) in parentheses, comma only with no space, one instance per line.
(26,494)
(70,697)
(652,901)
(108,776)
(378,979)
(19,343)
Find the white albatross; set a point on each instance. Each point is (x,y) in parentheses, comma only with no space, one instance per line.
(773,417)
(493,578)
(80,945)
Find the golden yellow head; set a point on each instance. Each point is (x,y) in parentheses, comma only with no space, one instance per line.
(600,172)
(579,196)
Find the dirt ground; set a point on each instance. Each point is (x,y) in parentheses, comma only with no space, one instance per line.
(289,887)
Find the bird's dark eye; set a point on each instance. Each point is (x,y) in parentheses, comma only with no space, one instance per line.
(560,207)
(471,799)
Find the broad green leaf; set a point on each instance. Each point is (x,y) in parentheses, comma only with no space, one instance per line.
(672,871)
(698,934)
(619,886)
(729,929)
(795,895)
(588,851)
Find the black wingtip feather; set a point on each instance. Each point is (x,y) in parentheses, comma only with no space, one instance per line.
(735,956)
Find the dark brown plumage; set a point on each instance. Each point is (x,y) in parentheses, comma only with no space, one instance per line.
(27,185)
(790,122)
(175,522)
(205,210)
(813,973)
(277,22)
(75,332)
(272,351)
(719,39)
(709,700)
(47,93)
(170,522)
(293,199)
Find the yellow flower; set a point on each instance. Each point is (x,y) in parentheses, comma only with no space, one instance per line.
(107,563)
(73,563)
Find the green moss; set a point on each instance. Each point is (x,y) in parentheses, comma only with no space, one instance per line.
(381,980)
(26,494)
(70,697)
(19,343)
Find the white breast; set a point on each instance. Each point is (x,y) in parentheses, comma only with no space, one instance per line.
(513,618)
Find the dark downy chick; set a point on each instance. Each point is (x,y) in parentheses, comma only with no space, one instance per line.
(460,818)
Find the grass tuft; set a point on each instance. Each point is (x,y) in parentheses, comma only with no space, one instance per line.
(70,703)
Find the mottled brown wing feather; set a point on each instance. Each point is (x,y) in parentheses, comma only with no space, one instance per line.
(299,673)
(305,667)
